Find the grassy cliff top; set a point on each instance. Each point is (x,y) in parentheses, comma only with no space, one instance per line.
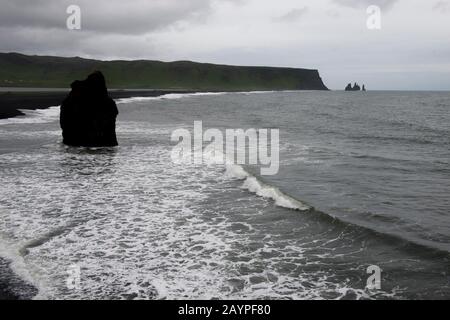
(18,70)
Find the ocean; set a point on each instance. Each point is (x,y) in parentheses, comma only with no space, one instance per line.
(364,180)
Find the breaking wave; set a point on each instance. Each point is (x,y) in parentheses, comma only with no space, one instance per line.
(169,96)
(34,116)
(175,96)
(254,185)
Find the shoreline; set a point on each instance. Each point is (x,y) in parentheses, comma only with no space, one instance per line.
(11,284)
(6,275)
(11,102)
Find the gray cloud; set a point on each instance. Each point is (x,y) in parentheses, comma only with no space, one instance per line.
(292,15)
(61,42)
(332,37)
(442,6)
(104,16)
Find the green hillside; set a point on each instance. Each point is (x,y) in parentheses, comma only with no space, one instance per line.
(18,70)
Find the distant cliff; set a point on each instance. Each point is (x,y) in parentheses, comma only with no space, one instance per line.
(18,70)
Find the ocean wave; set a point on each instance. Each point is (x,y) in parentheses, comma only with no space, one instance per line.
(175,96)
(252,183)
(34,116)
(256,186)
(169,96)
(16,263)
(264,190)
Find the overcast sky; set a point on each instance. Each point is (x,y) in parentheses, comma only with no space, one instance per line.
(411,51)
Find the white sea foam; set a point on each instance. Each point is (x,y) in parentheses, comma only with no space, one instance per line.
(146,213)
(175,96)
(142,227)
(253,184)
(169,96)
(10,252)
(139,226)
(261,189)
(34,116)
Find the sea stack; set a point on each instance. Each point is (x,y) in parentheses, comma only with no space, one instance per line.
(88,114)
(355,87)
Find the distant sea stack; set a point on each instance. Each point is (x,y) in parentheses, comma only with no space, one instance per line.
(355,87)
(18,70)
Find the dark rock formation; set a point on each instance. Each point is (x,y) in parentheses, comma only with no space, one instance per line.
(364,87)
(355,87)
(88,114)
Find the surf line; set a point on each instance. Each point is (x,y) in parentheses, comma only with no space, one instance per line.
(235,146)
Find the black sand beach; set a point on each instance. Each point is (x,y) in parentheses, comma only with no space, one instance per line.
(11,101)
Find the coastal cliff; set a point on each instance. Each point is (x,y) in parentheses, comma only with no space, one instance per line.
(18,70)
